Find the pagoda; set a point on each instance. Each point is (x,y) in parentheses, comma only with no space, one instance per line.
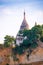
(24,26)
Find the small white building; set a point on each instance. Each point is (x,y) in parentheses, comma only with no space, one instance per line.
(19,37)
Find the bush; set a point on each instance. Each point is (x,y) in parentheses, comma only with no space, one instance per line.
(34,45)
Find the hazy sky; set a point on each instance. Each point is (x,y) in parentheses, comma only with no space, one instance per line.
(11,15)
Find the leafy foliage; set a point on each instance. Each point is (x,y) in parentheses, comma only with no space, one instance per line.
(8,40)
(33,35)
(36,33)
(19,49)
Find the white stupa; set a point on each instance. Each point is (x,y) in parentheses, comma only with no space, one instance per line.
(24,25)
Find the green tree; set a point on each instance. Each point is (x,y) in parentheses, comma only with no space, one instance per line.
(8,40)
(32,36)
(37,29)
(26,33)
(30,39)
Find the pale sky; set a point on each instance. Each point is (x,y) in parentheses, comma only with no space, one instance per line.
(11,15)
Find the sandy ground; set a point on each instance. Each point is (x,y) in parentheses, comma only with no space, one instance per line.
(35,63)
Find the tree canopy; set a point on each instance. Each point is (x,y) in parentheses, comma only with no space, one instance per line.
(36,33)
(32,36)
(8,40)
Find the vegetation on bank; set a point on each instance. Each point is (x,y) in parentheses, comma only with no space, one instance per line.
(32,36)
(29,42)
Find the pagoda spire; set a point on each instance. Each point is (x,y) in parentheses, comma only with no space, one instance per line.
(35,23)
(24,14)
